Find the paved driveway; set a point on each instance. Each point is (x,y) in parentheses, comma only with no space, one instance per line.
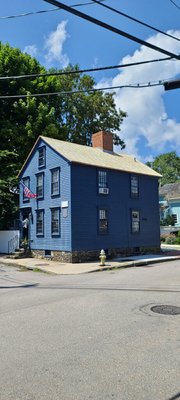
(90,336)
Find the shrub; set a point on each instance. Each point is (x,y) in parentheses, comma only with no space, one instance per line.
(171,239)
(167,221)
(163,237)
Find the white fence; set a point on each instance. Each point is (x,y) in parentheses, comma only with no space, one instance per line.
(9,241)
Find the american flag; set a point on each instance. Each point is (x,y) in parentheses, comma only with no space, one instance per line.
(27,191)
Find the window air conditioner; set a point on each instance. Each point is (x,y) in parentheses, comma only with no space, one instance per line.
(103,190)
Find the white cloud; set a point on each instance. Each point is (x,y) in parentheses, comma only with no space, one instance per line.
(32,50)
(147,114)
(54,45)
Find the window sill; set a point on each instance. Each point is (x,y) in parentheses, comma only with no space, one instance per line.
(53,196)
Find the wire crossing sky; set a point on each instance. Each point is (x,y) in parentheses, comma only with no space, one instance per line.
(116,58)
(111,28)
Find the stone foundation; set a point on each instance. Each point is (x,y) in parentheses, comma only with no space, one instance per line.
(93,255)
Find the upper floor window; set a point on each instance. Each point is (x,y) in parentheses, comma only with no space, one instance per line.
(102,179)
(42,156)
(134,186)
(26,182)
(40,185)
(40,222)
(175,218)
(102,182)
(135,221)
(55,221)
(55,182)
(103,220)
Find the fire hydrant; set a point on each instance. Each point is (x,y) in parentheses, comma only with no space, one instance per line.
(102,258)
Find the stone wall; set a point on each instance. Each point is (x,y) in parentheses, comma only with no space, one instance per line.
(87,256)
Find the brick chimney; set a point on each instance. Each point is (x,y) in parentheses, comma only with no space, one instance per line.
(103,140)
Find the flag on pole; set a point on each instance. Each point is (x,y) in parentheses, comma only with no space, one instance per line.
(27,192)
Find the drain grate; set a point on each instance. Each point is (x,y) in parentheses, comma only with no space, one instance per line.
(166,309)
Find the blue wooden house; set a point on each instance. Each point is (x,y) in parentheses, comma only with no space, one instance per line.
(88,199)
(169,201)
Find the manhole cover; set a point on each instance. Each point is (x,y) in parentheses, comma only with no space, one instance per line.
(167,310)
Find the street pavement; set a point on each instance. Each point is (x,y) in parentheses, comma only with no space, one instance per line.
(90,336)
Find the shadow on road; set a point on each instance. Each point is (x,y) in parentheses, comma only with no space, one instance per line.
(19,286)
(177,396)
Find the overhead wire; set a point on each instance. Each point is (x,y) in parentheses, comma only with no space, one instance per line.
(173,2)
(81,71)
(132,86)
(134,19)
(27,14)
(111,28)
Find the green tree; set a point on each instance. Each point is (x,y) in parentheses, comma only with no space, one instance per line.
(69,117)
(168,165)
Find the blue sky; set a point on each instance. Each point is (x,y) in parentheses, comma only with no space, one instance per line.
(58,38)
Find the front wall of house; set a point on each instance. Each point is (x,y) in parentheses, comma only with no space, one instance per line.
(86,202)
(174,209)
(62,201)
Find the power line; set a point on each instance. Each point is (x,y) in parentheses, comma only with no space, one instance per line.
(44,11)
(111,28)
(173,2)
(134,19)
(132,86)
(81,71)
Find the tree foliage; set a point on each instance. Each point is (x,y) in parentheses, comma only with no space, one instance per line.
(168,165)
(69,117)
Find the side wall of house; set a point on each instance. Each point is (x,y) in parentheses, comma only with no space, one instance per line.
(47,241)
(86,202)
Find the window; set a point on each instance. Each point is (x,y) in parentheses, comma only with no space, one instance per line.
(102,179)
(40,185)
(55,221)
(42,157)
(103,221)
(40,222)
(135,223)
(175,220)
(134,186)
(55,182)
(26,182)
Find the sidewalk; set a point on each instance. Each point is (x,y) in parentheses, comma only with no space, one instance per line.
(58,268)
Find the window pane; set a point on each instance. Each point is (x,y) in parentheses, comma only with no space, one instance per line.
(174,218)
(55,182)
(103,222)
(134,186)
(40,222)
(39,188)
(102,179)
(55,221)
(41,156)
(135,221)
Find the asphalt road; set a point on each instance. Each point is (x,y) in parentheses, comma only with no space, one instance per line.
(90,336)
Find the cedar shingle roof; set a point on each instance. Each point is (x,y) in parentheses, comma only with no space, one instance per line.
(86,155)
(96,157)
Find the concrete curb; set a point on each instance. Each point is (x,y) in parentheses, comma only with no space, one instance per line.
(88,268)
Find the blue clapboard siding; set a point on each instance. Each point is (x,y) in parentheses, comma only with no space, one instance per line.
(53,160)
(86,201)
(79,187)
